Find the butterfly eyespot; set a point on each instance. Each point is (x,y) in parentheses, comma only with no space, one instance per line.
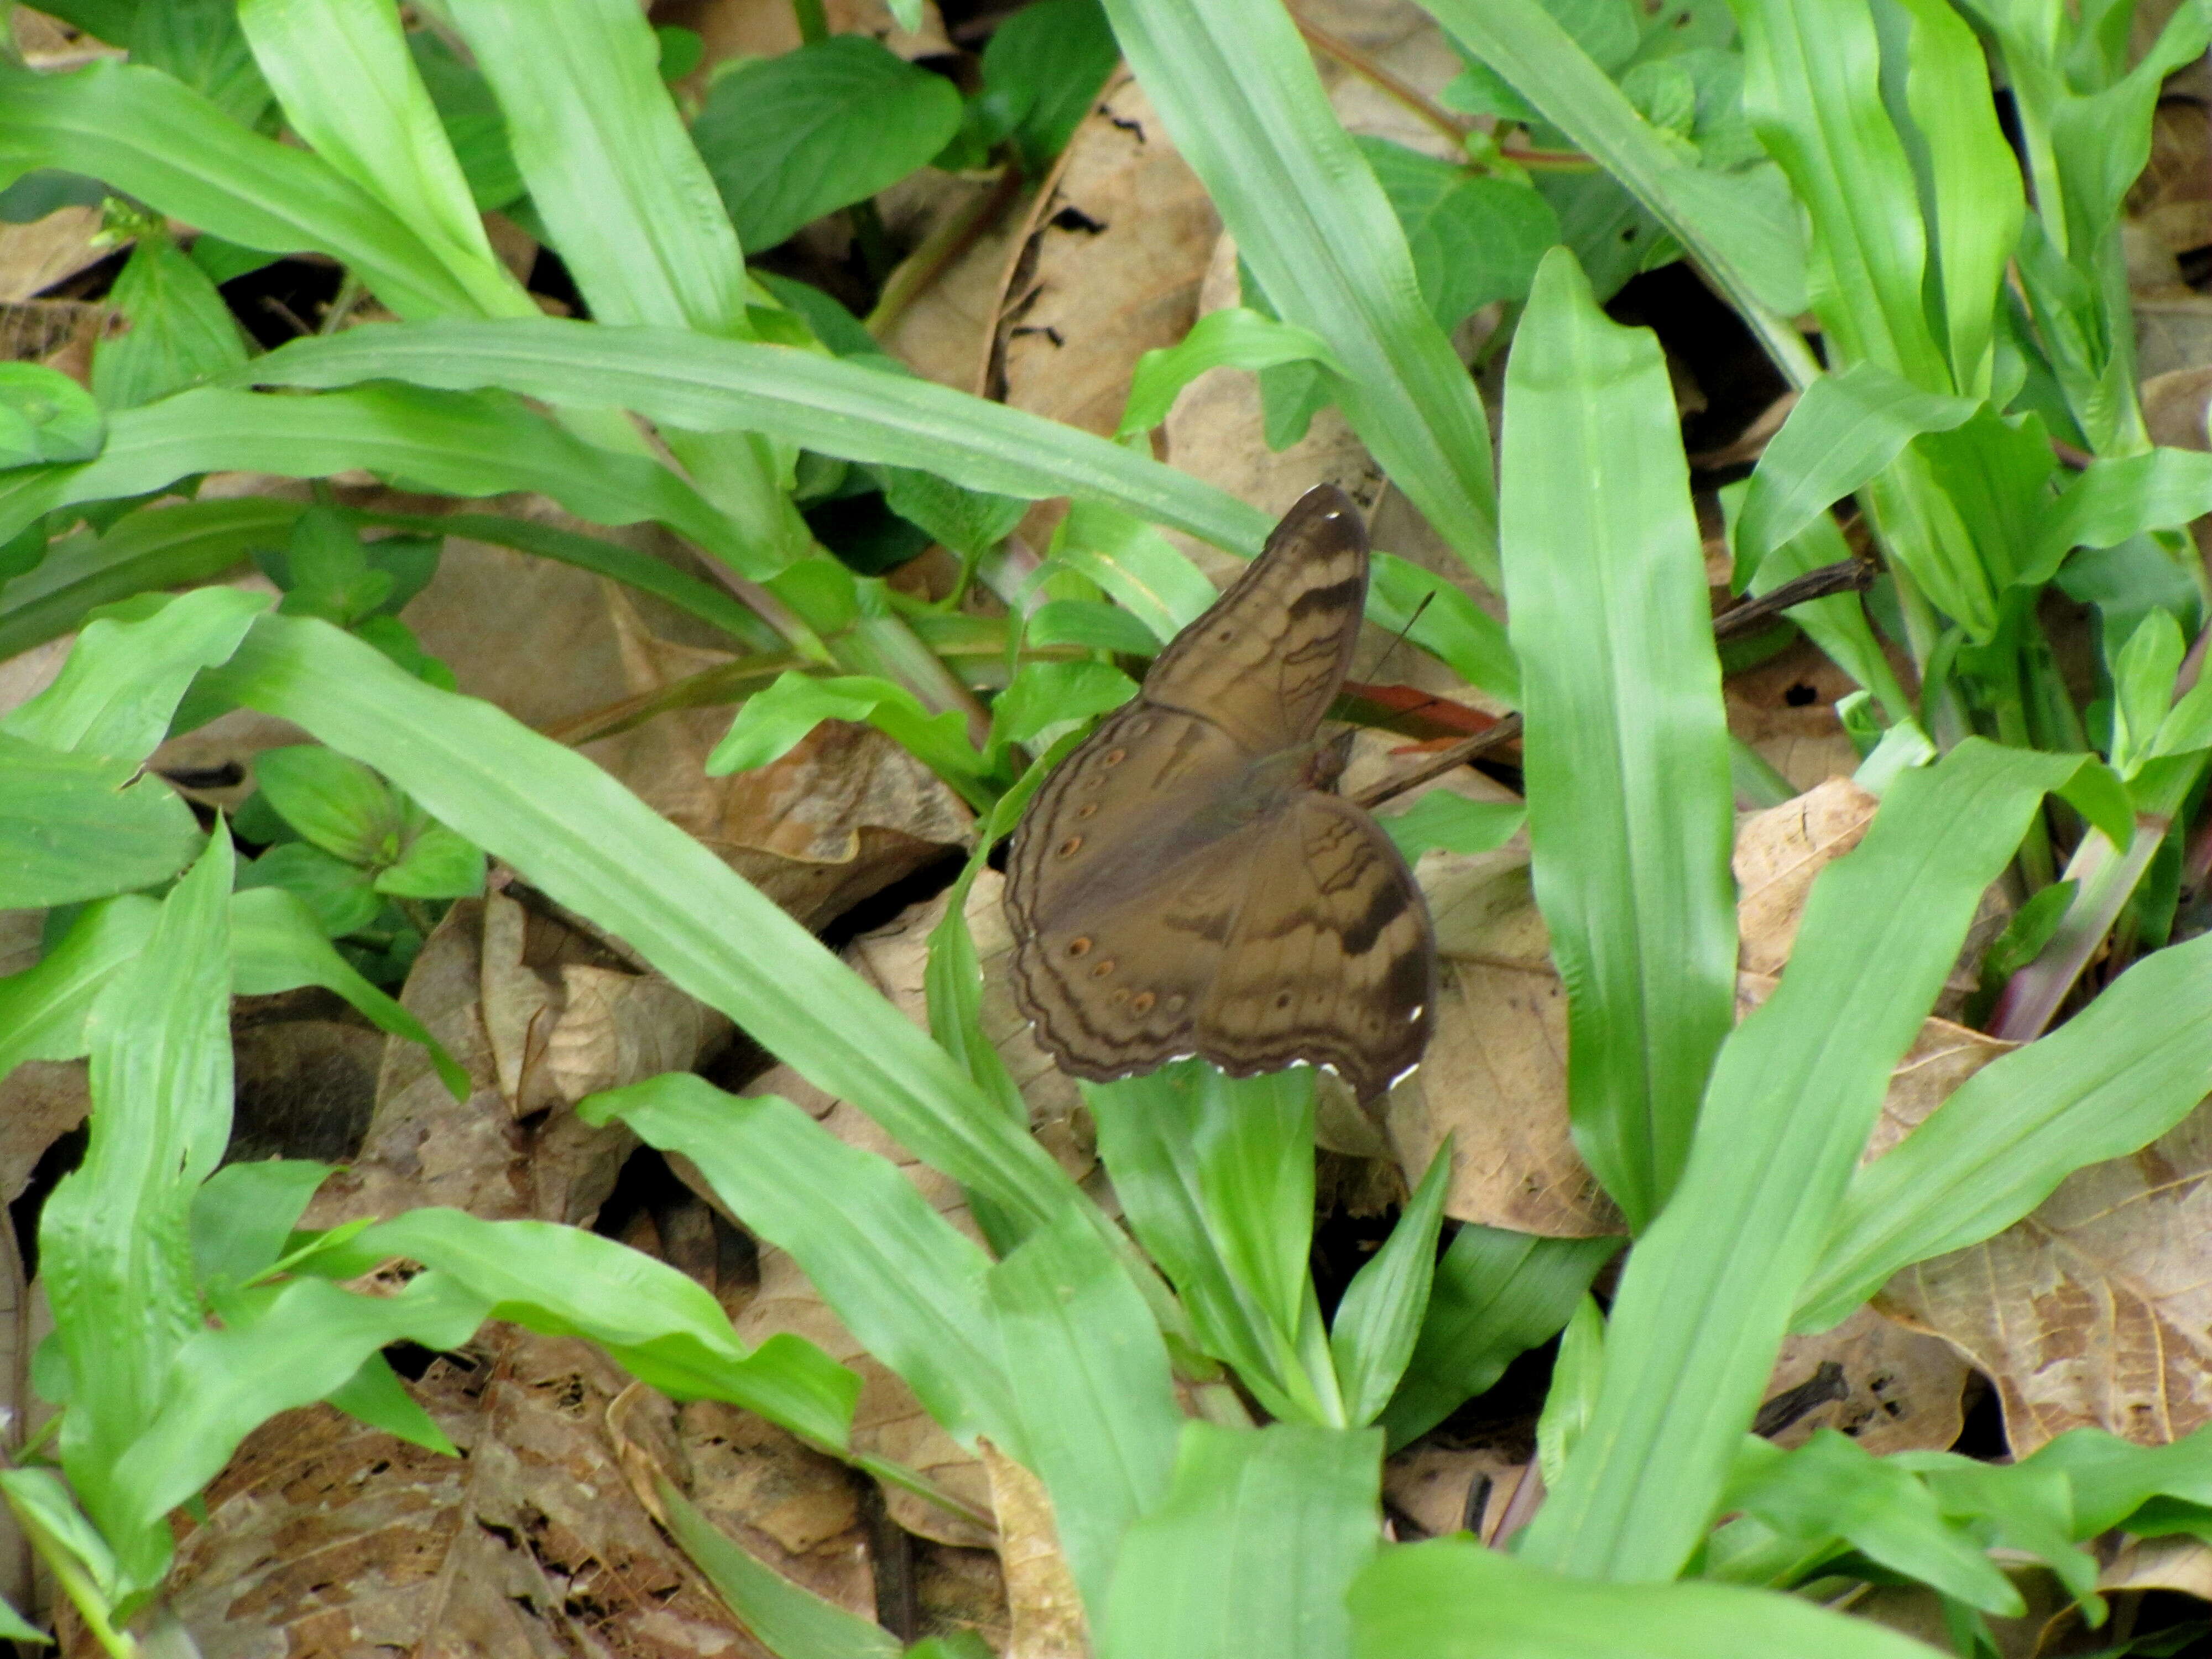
(1283,1000)
(1114,757)
(1118,993)
(1177,1003)
(1226,635)
(1142,1003)
(1079,947)
(1086,809)
(1069,848)
(1103,968)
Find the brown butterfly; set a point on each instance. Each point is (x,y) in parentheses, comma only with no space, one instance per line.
(1185,882)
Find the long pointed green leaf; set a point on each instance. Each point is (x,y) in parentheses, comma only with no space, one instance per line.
(579,836)
(1631,813)
(1380,1317)
(790,1620)
(1252,1548)
(1709,1289)
(1095,1394)
(2108,1082)
(1237,86)
(115,1238)
(905,1281)
(43,1008)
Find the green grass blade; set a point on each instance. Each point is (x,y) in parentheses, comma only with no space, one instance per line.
(907,1283)
(2109,1081)
(1631,813)
(579,836)
(1095,1394)
(833,406)
(120,688)
(115,1237)
(1452,1599)
(1813,91)
(464,446)
(631,207)
(168,547)
(1252,1548)
(1709,1289)
(350,89)
(43,1009)
(308,1340)
(1496,1294)
(143,131)
(1236,85)
(1755,256)
(789,1620)
(1380,1317)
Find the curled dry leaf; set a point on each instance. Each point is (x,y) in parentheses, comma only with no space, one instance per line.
(2094,1311)
(1042,1604)
(1889,1389)
(325,1536)
(1440,1490)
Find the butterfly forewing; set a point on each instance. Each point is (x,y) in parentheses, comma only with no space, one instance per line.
(1266,662)
(1179,885)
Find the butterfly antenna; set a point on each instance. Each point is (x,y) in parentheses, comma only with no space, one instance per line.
(1375,672)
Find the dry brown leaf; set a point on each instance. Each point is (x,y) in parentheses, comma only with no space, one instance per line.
(36,256)
(2095,1310)
(1888,1388)
(422,1146)
(1112,270)
(1447,1489)
(324,1536)
(2175,405)
(1042,1604)
(1785,709)
(41,1101)
(304,1087)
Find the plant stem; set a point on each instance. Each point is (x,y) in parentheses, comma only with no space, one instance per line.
(813,22)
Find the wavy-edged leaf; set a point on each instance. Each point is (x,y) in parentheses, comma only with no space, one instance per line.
(1233,337)
(77,827)
(43,1008)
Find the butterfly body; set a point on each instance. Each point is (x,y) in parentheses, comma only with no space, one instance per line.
(1184,883)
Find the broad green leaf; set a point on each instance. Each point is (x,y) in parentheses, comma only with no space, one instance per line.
(303,1342)
(1237,88)
(374,1394)
(789,1620)
(1379,1318)
(1216,1177)
(1441,619)
(908,1286)
(322,57)
(1750,241)
(664,1328)
(244,1212)
(2111,1478)
(840,408)
(199,42)
(2108,1082)
(1452,1599)
(2117,498)
(1043,70)
(1986,486)
(2143,688)
(181,331)
(1443,819)
(1973,179)
(339,805)
(16,1628)
(792,137)
(1046,693)
(474,127)
(149,135)
(1830,1488)
(1496,1295)
(168,547)
(78,826)
(579,835)
(45,1511)
(1252,1548)
(1813,91)
(1092,625)
(464,446)
(277,945)
(43,1008)
(1846,427)
(1631,813)
(114,1238)
(1134,562)
(1097,1399)
(121,685)
(1234,337)
(325,571)
(772,722)
(2016,1508)
(1710,1285)
(970,522)
(437,864)
(1573,1394)
(1473,239)
(611,169)
(46,416)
